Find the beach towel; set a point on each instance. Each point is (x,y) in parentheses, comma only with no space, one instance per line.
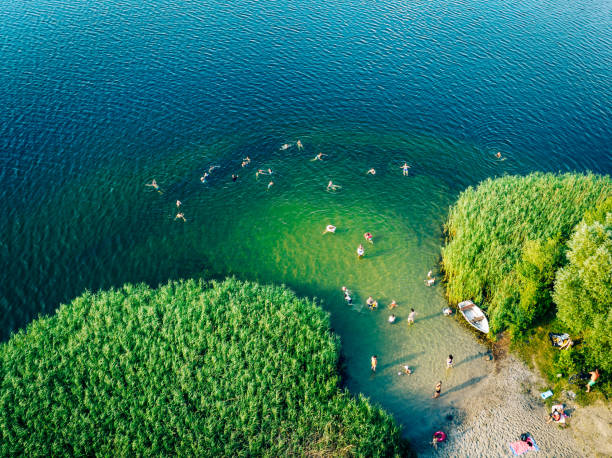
(520,447)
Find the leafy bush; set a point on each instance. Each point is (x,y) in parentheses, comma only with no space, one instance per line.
(506,239)
(189,368)
(583,290)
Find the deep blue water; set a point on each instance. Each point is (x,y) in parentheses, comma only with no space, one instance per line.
(98,98)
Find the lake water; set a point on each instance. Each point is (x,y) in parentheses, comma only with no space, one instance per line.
(100,98)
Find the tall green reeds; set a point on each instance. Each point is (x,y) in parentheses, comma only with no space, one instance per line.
(190,368)
(507,237)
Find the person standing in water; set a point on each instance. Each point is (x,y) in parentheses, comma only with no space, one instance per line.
(360,251)
(368,237)
(373,363)
(449,362)
(437,390)
(405,168)
(411,316)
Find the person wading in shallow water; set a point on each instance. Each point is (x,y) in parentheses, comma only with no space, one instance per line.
(374,363)
(438,389)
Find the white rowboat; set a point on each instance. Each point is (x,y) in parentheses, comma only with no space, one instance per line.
(474,316)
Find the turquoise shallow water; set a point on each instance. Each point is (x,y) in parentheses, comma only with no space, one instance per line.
(100,99)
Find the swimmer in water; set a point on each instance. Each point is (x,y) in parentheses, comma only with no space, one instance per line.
(374,363)
(178,203)
(368,237)
(371,172)
(285,146)
(405,168)
(270,184)
(180,216)
(234,177)
(213,167)
(360,251)
(269,171)
(392,319)
(498,155)
(246,161)
(153,184)
(392,305)
(299,144)
(332,187)
(405,370)
(203,177)
(260,172)
(318,157)
(330,228)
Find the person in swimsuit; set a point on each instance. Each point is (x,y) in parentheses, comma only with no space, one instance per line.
(180,216)
(391,319)
(373,363)
(360,251)
(270,184)
(234,177)
(213,167)
(299,144)
(449,362)
(332,187)
(330,228)
(498,155)
(153,184)
(405,370)
(371,172)
(178,203)
(405,168)
(203,177)
(285,146)
(411,316)
(368,237)
(392,305)
(594,377)
(438,389)
(347,295)
(318,157)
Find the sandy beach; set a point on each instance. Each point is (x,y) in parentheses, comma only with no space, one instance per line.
(505,404)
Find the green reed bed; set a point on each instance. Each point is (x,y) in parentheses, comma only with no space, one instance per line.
(515,247)
(190,368)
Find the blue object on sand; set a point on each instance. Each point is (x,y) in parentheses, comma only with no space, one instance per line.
(546,394)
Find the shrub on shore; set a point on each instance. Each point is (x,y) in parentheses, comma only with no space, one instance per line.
(190,368)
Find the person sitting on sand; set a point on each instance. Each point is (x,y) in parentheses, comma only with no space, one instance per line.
(371,172)
(180,216)
(558,415)
(391,318)
(392,305)
(330,228)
